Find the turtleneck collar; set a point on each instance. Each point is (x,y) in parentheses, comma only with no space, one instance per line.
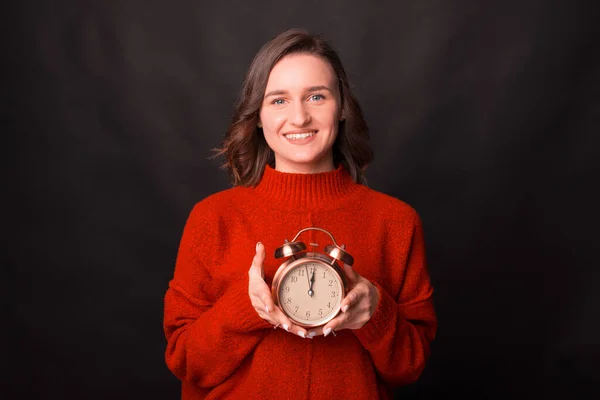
(315,191)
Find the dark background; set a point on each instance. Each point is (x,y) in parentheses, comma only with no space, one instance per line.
(484,116)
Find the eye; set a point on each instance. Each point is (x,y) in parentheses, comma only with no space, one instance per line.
(317,97)
(278,102)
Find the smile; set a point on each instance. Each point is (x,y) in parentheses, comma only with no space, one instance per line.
(300,136)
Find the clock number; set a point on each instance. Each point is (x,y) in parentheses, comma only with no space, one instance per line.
(289,300)
(329,305)
(324,275)
(301,272)
(320,312)
(294,279)
(287,289)
(297,307)
(307,314)
(332,294)
(331,282)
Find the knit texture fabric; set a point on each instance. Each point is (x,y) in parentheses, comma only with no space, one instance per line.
(219,347)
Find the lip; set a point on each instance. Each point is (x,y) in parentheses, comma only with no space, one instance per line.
(296,131)
(301,141)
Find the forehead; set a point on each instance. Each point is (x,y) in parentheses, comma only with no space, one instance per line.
(301,70)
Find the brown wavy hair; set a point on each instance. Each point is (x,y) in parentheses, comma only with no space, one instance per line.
(244,147)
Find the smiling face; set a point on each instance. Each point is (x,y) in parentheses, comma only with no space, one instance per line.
(300,114)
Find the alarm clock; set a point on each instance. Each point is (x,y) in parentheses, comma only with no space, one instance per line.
(309,286)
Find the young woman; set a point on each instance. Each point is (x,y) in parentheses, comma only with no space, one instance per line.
(297,150)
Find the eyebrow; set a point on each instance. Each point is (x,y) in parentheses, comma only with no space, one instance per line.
(309,89)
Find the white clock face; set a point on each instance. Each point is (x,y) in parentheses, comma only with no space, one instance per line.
(310,293)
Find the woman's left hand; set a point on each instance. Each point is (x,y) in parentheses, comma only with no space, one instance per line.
(357,307)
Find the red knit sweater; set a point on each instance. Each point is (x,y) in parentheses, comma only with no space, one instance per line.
(218,345)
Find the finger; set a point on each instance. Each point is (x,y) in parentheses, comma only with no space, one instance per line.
(258,260)
(335,324)
(298,330)
(267,299)
(260,294)
(287,324)
(314,332)
(254,271)
(351,298)
(283,321)
(267,317)
(352,275)
(261,308)
(274,316)
(293,329)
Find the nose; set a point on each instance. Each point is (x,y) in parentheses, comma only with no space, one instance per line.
(300,115)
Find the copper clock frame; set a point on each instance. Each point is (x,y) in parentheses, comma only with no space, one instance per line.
(297,256)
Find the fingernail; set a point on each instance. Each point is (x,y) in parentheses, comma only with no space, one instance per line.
(286,327)
(326,331)
(257,245)
(312,334)
(345,308)
(267,308)
(301,334)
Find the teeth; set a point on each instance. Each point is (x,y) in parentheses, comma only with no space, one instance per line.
(298,136)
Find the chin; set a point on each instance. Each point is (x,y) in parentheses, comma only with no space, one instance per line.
(305,160)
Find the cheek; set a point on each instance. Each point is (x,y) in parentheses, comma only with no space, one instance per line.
(328,117)
(272,122)
(331,121)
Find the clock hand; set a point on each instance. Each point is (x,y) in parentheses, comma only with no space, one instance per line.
(310,282)
(307,278)
(310,292)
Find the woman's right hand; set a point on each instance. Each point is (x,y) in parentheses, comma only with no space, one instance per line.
(261,298)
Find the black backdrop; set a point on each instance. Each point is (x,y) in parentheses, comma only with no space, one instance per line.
(484,116)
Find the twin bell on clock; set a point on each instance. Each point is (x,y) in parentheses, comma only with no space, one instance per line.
(310,286)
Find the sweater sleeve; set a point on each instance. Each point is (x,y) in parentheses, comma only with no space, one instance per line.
(401,329)
(207,339)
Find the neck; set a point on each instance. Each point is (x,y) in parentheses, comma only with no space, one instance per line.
(325,165)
